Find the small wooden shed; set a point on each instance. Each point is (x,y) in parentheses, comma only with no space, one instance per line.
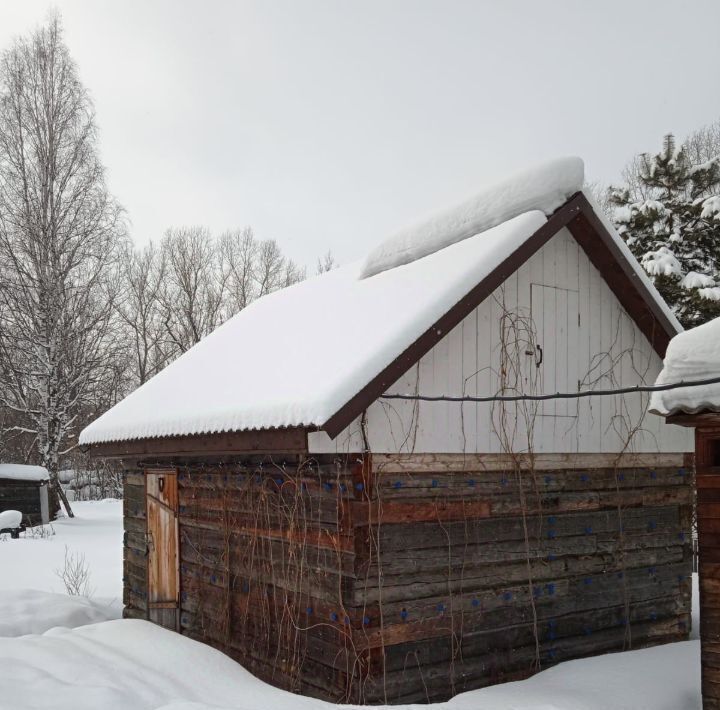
(695,356)
(299,494)
(25,488)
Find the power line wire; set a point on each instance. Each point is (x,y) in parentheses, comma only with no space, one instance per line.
(557,395)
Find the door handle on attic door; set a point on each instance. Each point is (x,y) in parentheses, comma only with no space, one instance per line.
(149,542)
(537,353)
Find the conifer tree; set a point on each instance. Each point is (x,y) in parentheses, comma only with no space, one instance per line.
(674,230)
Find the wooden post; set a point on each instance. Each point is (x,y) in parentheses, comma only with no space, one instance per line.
(707,451)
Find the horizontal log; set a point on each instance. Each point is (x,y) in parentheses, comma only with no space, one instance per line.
(473,484)
(708,510)
(439,681)
(392,512)
(427,535)
(399,586)
(390,463)
(280,574)
(318,538)
(705,480)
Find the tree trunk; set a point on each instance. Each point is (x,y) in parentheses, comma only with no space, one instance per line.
(61,495)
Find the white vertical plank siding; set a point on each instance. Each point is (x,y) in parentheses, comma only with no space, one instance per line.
(468,360)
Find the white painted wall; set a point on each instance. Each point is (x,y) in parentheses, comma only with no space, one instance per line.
(559,302)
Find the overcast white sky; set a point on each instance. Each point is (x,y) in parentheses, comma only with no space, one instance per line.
(328,124)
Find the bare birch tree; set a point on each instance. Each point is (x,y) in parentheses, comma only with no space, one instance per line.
(703,144)
(140,310)
(193,286)
(238,252)
(58,231)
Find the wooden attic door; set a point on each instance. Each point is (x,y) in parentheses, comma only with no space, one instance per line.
(555,313)
(162,546)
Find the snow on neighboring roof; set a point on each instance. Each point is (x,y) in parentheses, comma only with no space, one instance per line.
(23,472)
(296,356)
(692,355)
(544,187)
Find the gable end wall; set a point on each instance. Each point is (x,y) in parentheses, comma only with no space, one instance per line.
(587,340)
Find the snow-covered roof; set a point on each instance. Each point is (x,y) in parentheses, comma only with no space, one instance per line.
(692,355)
(297,356)
(23,472)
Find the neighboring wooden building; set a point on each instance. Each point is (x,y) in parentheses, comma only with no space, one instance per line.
(25,488)
(695,356)
(283,507)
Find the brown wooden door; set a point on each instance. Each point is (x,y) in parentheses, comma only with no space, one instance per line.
(162,546)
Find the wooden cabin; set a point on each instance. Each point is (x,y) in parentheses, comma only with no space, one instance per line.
(298,497)
(694,356)
(25,488)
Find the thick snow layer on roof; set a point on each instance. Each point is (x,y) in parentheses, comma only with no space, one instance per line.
(544,188)
(692,355)
(23,472)
(297,356)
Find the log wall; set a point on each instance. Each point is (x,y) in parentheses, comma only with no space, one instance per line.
(708,514)
(134,546)
(412,578)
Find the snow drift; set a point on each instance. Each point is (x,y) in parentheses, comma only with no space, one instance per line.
(125,664)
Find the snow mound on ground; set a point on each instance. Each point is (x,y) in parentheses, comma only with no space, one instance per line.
(544,188)
(134,664)
(23,472)
(692,355)
(10,519)
(29,611)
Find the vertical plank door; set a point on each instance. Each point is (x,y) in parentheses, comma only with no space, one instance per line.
(555,314)
(162,547)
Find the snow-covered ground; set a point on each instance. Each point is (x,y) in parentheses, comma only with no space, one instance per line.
(134,665)
(95,532)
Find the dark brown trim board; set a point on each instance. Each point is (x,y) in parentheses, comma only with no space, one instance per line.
(604,253)
(703,420)
(587,228)
(262,441)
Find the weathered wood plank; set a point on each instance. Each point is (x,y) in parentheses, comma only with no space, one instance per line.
(394,463)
